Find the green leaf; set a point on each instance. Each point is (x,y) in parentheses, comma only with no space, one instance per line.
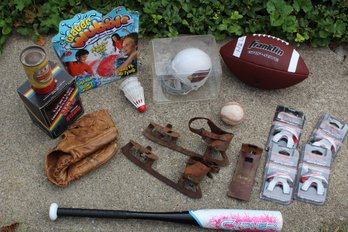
(35,26)
(6,30)
(219,37)
(186,7)
(305,5)
(184,22)
(235,29)
(35,37)
(24,31)
(323,34)
(172,32)
(301,38)
(3,39)
(226,21)
(74,2)
(156,18)
(290,24)
(222,27)
(279,6)
(340,28)
(21,4)
(235,15)
(270,7)
(320,42)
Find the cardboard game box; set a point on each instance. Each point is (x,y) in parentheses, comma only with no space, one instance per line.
(97,49)
(55,111)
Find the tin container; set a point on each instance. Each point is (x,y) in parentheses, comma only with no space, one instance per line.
(35,63)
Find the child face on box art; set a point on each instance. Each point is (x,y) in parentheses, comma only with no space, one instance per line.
(115,37)
(129,52)
(129,46)
(117,41)
(79,67)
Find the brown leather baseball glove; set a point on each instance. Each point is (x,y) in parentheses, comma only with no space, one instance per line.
(86,145)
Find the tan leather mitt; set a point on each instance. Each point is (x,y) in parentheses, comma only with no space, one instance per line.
(86,145)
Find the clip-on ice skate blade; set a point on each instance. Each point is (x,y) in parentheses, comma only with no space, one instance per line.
(280,181)
(165,136)
(216,138)
(162,134)
(188,184)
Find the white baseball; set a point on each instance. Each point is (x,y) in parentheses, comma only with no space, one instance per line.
(232,113)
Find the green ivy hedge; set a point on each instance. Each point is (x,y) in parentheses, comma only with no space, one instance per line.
(316,22)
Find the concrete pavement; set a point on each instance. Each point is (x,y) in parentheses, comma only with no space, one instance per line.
(26,194)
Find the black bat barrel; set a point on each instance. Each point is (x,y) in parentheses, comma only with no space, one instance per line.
(179,217)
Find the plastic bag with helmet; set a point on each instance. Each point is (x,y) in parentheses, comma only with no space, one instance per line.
(190,69)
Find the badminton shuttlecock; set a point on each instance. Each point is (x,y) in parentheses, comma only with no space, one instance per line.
(134,92)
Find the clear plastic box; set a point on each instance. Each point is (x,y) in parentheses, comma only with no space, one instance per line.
(174,60)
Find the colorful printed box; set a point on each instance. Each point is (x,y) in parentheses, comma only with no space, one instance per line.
(97,49)
(55,111)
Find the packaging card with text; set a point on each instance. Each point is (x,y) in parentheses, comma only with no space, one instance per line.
(55,111)
(97,49)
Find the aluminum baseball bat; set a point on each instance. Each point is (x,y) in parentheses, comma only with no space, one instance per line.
(222,219)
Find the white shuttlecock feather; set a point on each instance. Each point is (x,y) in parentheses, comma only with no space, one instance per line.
(134,92)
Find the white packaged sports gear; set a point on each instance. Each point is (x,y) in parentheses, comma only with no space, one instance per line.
(190,68)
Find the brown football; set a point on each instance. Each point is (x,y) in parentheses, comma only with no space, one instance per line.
(264,61)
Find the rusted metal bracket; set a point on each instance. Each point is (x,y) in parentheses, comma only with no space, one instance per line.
(244,174)
(188,184)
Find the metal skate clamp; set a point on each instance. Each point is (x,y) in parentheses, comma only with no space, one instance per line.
(216,140)
(197,165)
